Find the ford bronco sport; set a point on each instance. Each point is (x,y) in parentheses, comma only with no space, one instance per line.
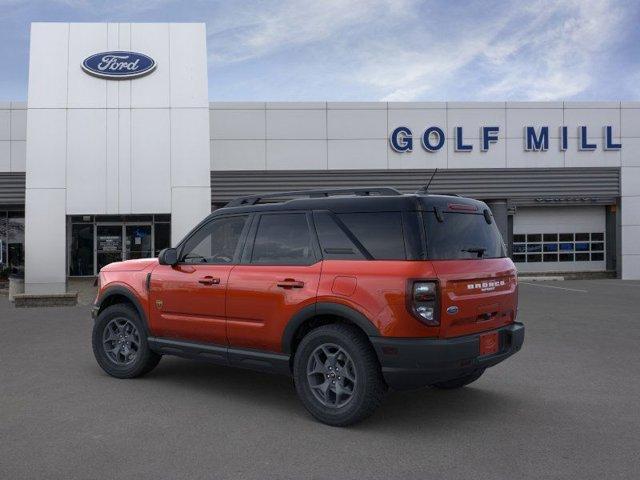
(349,291)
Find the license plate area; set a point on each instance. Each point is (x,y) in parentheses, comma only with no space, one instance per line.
(489,343)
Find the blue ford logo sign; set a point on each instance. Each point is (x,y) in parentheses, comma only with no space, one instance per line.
(118,65)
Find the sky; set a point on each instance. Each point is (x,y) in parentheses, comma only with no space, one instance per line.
(377,50)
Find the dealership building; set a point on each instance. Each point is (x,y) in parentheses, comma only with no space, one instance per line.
(118,151)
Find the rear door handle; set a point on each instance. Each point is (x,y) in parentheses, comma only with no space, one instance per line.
(290,283)
(209,281)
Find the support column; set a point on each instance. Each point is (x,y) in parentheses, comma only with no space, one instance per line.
(45,241)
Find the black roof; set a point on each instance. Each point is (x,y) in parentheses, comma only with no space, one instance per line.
(353,203)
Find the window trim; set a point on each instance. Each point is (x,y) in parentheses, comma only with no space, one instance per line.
(247,252)
(236,255)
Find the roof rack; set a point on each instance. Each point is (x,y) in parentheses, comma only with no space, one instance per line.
(253,199)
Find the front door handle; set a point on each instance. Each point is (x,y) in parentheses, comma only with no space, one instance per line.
(209,281)
(290,283)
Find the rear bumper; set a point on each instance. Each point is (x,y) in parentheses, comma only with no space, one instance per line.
(411,363)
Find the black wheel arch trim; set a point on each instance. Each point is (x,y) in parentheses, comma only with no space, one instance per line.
(125,292)
(325,308)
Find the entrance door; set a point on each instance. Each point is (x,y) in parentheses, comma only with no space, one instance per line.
(108,245)
(138,241)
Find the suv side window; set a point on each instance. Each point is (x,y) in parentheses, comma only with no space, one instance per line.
(379,232)
(283,239)
(334,242)
(215,243)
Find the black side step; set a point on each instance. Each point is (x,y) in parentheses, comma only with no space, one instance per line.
(269,362)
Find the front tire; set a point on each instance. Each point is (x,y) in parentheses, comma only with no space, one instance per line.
(120,343)
(337,375)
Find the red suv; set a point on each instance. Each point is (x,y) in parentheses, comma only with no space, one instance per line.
(349,291)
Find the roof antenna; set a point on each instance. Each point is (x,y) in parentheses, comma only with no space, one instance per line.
(425,189)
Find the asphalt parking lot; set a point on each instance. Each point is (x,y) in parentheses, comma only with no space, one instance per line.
(567,406)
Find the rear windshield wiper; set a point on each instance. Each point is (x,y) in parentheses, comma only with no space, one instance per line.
(478,250)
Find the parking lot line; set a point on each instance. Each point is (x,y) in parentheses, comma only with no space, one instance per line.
(558,288)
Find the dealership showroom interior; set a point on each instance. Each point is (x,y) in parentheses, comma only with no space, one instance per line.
(498,146)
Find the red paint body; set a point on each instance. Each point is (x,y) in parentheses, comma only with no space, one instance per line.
(249,306)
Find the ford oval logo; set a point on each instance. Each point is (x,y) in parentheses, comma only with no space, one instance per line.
(452,310)
(118,65)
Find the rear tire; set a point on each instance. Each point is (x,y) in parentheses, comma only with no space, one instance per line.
(337,375)
(120,343)
(459,382)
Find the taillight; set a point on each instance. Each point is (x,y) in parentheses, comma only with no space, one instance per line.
(424,302)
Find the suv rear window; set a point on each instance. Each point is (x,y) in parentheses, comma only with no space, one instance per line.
(462,236)
(380,233)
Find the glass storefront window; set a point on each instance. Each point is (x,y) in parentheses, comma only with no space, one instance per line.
(108,238)
(81,259)
(14,259)
(162,237)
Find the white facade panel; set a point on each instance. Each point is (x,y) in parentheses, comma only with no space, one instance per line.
(296,124)
(630,234)
(190,205)
(113,43)
(419,158)
(471,119)
(18,124)
(296,154)
(495,157)
(84,90)
(188,61)
(597,158)
(418,120)
(357,154)
(111,162)
(630,211)
(46,148)
(518,157)
(124,86)
(356,124)
(45,241)
(630,119)
(154,90)
(5,124)
(189,144)
(150,160)
(86,161)
(124,160)
(237,124)
(630,153)
(238,155)
(5,156)
(48,58)
(519,118)
(18,156)
(592,118)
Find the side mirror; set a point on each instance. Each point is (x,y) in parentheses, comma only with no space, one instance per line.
(168,256)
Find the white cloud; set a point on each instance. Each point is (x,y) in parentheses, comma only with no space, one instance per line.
(245,34)
(545,51)
(407,50)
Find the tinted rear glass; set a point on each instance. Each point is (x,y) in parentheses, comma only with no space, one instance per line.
(462,236)
(334,242)
(283,239)
(380,233)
